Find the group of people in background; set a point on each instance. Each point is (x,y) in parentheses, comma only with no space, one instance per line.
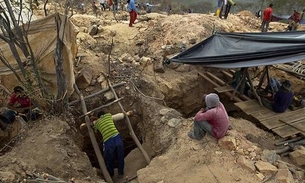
(293,21)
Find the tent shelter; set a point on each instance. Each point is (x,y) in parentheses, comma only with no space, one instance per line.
(235,50)
(42,35)
(243,50)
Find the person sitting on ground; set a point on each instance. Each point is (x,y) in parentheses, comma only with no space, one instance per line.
(19,101)
(272,87)
(213,119)
(282,98)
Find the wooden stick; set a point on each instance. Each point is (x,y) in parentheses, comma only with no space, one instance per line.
(252,88)
(93,139)
(131,132)
(115,101)
(5,89)
(97,93)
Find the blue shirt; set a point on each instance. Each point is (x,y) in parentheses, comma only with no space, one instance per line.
(282,100)
(132,6)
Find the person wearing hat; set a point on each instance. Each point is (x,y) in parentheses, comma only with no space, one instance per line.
(213,119)
(282,98)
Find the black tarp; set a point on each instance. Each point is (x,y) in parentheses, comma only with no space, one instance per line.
(235,50)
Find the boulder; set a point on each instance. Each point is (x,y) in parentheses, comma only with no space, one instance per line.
(298,157)
(284,176)
(84,77)
(265,167)
(245,163)
(227,142)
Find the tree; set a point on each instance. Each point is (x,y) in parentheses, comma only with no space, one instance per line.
(14,31)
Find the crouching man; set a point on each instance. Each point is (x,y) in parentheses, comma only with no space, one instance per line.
(213,119)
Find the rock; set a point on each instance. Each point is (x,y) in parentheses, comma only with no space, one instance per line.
(192,40)
(260,176)
(158,66)
(164,111)
(298,157)
(7,177)
(227,142)
(93,30)
(109,95)
(174,122)
(84,77)
(284,176)
(145,61)
(299,175)
(246,164)
(265,167)
(140,42)
(270,156)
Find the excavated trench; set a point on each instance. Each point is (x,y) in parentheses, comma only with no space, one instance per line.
(142,120)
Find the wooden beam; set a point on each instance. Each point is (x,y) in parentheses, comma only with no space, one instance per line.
(221,82)
(95,145)
(131,132)
(97,93)
(217,85)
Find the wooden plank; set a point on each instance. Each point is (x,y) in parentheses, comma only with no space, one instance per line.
(223,89)
(288,117)
(249,106)
(286,131)
(263,114)
(221,82)
(217,85)
(227,75)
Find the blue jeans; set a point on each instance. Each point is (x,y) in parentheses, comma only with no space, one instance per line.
(114,147)
(201,128)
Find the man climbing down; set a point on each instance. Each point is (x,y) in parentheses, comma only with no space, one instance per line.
(213,119)
(267,16)
(113,144)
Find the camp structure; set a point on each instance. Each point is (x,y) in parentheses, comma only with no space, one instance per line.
(244,50)
(235,50)
(42,36)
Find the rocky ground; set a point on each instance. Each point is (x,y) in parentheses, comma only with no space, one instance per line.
(163,99)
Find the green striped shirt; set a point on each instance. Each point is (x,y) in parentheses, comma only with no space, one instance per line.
(106,126)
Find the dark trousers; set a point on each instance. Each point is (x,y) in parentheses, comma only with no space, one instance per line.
(113,148)
(227,10)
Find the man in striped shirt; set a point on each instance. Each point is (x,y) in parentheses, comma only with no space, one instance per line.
(113,144)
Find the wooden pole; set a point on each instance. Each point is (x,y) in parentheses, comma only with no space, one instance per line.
(100,107)
(131,132)
(93,139)
(262,78)
(97,93)
(252,88)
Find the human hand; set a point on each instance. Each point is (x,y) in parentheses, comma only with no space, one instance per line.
(129,113)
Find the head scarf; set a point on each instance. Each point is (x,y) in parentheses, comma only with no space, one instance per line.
(212,100)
